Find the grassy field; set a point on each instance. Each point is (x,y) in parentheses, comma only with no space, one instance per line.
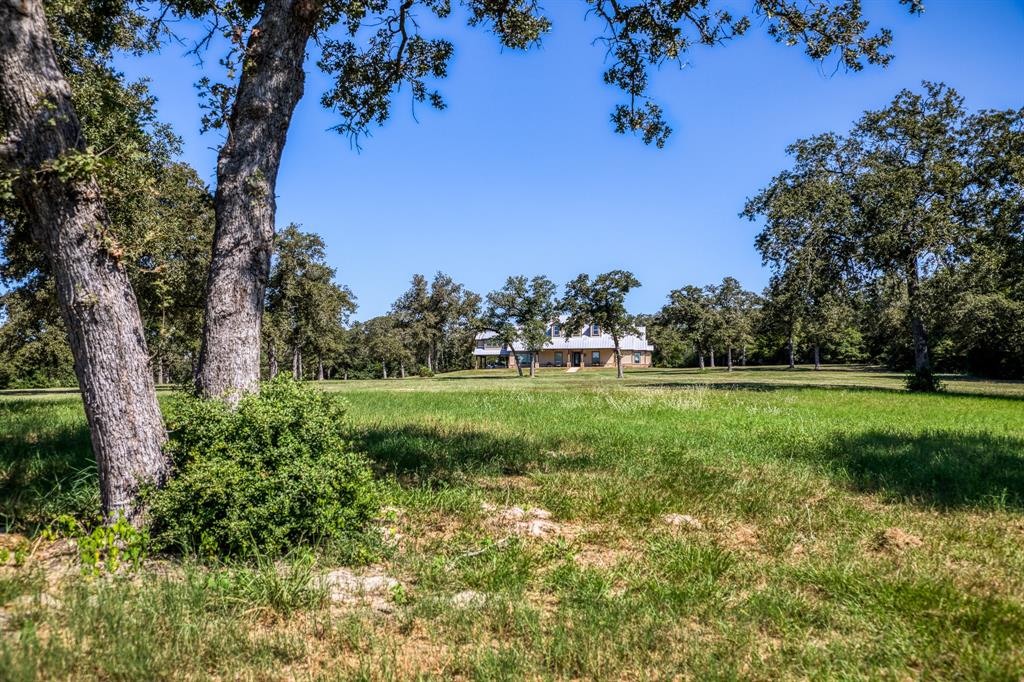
(762,524)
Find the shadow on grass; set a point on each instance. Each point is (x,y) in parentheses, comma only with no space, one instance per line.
(944,469)
(449,452)
(46,465)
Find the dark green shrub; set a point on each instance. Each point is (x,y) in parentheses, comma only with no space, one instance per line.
(273,473)
(424,371)
(923,381)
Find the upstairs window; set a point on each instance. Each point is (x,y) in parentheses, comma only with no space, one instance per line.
(556,329)
(595,330)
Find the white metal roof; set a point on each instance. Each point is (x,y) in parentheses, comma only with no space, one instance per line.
(579,342)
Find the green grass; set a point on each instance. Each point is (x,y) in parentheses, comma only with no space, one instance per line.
(848,530)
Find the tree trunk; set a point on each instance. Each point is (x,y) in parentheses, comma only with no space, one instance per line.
(917,329)
(728,356)
(514,358)
(272,360)
(160,378)
(618,359)
(712,358)
(700,358)
(792,357)
(319,369)
(346,375)
(296,369)
(270,87)
(384,368)
(533,365)
(817,356)
(743,355)
(69,222)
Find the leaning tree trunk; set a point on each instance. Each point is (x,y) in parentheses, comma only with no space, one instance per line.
(515,358)
(270,87)
(69,223)
(917,330)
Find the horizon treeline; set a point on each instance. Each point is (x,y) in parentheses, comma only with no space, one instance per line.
(900,243)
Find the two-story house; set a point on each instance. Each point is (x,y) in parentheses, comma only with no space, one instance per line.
(589,347)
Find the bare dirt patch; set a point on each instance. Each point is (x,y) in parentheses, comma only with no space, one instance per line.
(895,541)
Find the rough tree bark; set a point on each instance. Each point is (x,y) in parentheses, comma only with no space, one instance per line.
(271,85)
(917,329)
(272,361)
(69,223)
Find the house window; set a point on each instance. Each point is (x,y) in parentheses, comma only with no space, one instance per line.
(595,330)
(595,358)
(558,358)
(556,329)
(523,359)
(493,342)
(637,358)
(480,344)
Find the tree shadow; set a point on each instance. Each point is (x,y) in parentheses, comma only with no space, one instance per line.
(941,469)
(46,466)
(450,452)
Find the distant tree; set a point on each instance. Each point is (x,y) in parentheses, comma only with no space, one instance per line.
(438,319)
(733,309)
(896,197)
(384,344)
(522,311)
(307,309)
(602,301)
(690,313)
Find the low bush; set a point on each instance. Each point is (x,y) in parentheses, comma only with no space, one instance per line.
(424,371)
(257,480)
(923,381)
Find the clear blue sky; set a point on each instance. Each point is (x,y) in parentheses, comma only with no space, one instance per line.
(523,174)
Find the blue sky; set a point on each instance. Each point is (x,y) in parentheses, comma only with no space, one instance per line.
(522,174)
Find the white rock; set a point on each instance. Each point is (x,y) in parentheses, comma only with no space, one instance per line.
(468,599)
(539,513)
(682,520)
(539,528)
(343,585)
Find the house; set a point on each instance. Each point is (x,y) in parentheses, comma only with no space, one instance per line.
(591,347)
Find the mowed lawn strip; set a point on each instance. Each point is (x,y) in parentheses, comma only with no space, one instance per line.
(762,523)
